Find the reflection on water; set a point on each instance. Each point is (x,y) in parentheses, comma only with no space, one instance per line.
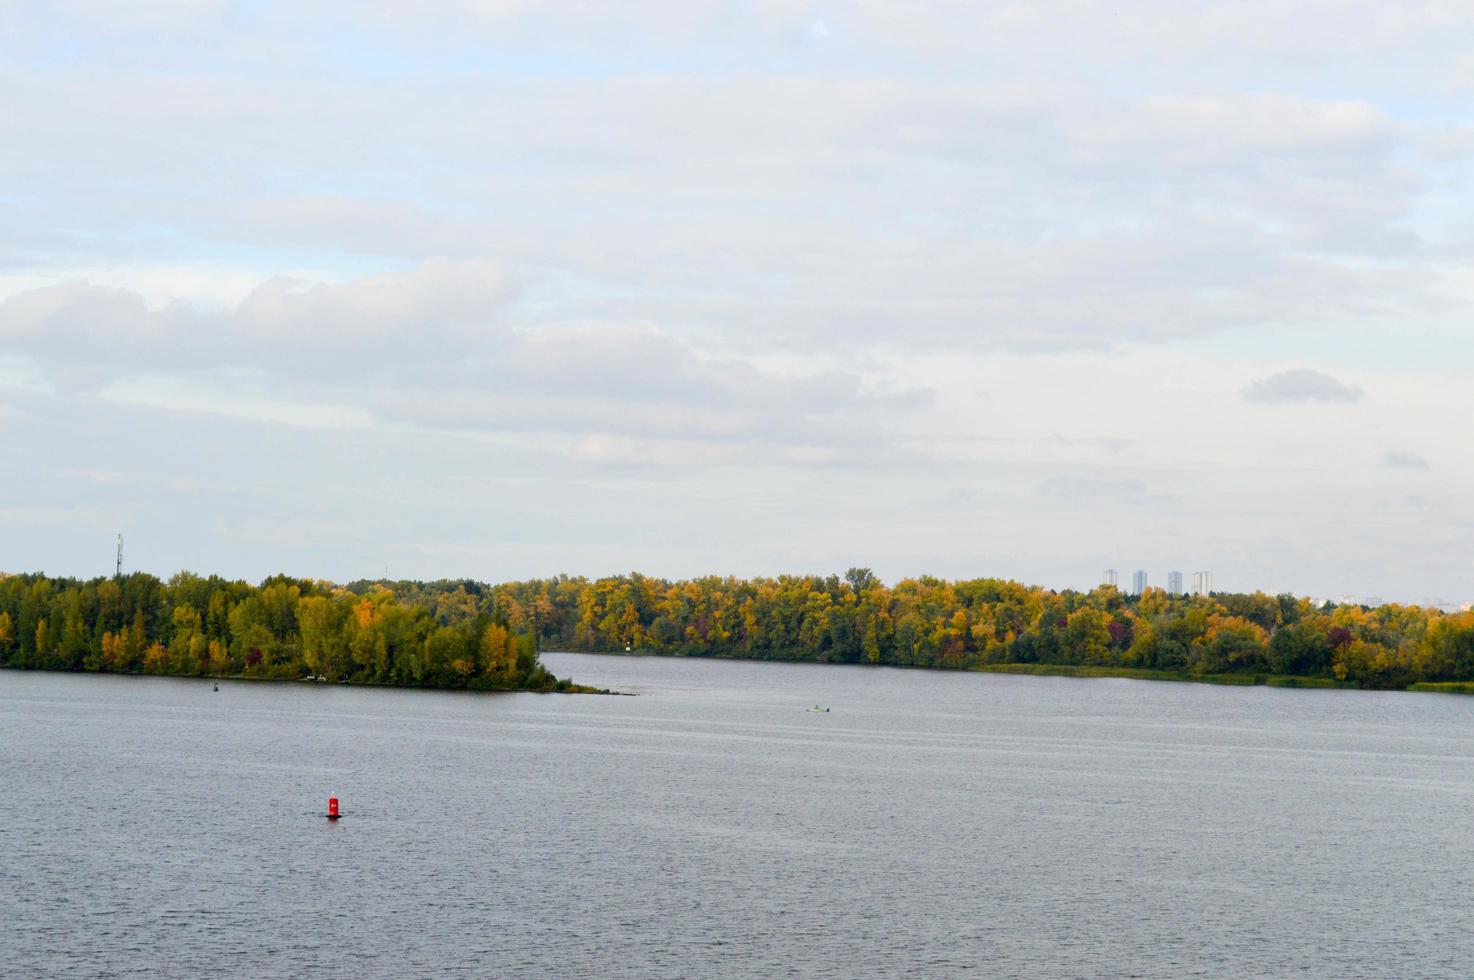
(931,824)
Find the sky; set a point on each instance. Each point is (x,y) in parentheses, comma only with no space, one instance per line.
(502,289)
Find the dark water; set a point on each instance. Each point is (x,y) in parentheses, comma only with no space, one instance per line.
(929,825)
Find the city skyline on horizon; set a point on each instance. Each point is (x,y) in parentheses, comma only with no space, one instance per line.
(1177,585)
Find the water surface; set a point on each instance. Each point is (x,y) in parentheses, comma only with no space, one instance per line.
(930,824)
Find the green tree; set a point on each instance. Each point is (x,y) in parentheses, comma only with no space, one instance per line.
(1087,636)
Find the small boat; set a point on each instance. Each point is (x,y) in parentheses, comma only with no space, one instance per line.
(818,709)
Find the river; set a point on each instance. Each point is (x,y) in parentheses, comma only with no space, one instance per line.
(930,824)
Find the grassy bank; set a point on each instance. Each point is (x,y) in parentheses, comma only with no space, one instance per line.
(1448,687)
(1141,674)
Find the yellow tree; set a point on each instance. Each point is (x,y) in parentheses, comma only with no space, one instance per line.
(112,650)
(156,659)
(499,656)
(1153,602)
(134,641)
(219,658)
(182,651)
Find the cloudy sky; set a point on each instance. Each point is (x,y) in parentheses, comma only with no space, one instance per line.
(500,288)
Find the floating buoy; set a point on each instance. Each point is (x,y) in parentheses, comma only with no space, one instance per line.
(333,813)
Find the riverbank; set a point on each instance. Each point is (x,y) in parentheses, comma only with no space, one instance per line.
(562,687)
(1446,687)
(1140,674)
(1071,670)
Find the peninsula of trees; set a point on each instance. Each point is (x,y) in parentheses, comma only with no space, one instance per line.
(284,628)
(462,633)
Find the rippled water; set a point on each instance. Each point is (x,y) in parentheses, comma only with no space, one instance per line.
(931,824)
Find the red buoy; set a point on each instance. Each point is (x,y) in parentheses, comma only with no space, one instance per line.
(333,813)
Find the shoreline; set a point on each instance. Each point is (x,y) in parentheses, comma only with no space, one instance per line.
(1144,674)
(1083,671)
(316,682)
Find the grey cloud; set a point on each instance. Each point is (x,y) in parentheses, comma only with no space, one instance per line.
(437,310)
(627,393)
(1130,490)
(70,314)
(432,347)
(1301,385)
(437,297)
(1109,444)
(1401,459)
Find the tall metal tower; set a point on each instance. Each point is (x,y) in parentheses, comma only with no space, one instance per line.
(120,556)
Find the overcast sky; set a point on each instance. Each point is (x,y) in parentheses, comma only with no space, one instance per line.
(502,288)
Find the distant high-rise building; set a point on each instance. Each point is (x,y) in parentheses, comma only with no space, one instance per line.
(1202,583)
(1110,577)
(1138,582)
(1174,583)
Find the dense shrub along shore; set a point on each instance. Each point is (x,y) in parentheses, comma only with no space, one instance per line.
(461,633)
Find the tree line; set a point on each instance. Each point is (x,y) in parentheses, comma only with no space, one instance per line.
(462,633)
(282,628)
(930,622)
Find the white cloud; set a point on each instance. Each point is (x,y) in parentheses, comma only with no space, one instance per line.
(814,206)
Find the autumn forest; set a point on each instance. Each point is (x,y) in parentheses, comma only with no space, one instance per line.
(284,628)
(467,634)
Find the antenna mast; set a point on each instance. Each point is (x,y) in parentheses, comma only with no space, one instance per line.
(120,556)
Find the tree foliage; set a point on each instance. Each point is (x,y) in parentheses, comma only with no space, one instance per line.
(283,628)
(461,633)
(929,622)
